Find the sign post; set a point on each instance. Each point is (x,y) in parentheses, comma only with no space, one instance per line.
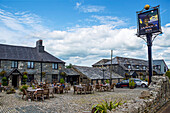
(149,25)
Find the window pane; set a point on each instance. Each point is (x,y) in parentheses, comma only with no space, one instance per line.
(16,64)
(56,66)
(12,64)
(53,65)
(29,64)
(32,64)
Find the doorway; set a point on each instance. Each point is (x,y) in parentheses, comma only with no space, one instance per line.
(15,80)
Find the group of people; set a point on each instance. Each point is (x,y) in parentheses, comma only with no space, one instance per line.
(57,84)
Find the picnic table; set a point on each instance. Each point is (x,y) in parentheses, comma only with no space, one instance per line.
(31,91)
(79,89)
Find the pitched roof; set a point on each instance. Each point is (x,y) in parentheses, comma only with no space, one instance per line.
(124,60)
(70,72)
(101,62)
(20,53)
(96,73)
(159,62)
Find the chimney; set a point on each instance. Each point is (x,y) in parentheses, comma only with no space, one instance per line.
(39,46)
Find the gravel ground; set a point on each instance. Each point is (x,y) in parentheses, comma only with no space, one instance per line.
(64,103)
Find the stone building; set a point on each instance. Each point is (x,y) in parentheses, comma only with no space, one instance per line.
(160,66)
(130,66)
(95,75)
(15,60)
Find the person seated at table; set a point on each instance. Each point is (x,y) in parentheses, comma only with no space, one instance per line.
(41,84)
(106,84)
(53,85)
(63,85)
(38,88)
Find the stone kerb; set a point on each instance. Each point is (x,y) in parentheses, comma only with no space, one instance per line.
(150,100)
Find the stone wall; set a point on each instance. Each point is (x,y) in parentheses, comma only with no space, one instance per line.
(22,67)
(150,100)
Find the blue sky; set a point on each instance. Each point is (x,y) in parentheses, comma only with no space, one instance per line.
(82,31)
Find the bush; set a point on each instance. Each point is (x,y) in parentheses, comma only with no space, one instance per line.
(24,87)
(2,73)
(25,79)
(62,81)
(103,107)
(131,83)
(107,81)
(168,74)
(10,91)
(4,81)
(146,79)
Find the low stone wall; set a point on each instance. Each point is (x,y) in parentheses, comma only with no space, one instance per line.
(150,100)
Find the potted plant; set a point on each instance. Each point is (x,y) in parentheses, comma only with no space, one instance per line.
(10,91)
(2,73)
(4,81)
(25,79)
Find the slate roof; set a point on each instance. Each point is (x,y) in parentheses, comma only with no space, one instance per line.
(159,62)
(20,53)
(96,73)
(101,62)
(124,60)
(71,72)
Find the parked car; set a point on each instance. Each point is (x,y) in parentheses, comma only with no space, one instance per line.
(124,83)
(141,83)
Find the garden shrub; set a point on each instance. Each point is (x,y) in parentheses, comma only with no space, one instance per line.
(4,81)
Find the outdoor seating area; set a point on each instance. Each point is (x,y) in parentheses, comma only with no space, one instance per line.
(104,87)
(89,89)
(43,91)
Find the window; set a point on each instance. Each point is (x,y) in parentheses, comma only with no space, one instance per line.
(55,65)
(144,67)
(30,65)
(129,66)
(14,64)
(54,78)
(137,67)
(30,77)
(159,67)
(164,68)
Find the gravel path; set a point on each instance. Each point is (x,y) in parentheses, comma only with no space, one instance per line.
(64,103)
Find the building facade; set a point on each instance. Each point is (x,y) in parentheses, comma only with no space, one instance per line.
(18,60)
(133,67)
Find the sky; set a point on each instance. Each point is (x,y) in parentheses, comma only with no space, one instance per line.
(82,32)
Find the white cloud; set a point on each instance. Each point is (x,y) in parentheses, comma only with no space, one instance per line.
(89,8)
(109,20)
(78,5)
(167,25)
(81,46)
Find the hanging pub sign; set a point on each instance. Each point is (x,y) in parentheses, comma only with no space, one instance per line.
(148,21)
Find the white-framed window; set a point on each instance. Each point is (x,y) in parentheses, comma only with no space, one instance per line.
(14,64)
(159,67)
(144,67)
(55,66)
(137,67)
(30,65)
(129,66)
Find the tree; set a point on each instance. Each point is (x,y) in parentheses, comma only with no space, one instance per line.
(69,66)
(168,74)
